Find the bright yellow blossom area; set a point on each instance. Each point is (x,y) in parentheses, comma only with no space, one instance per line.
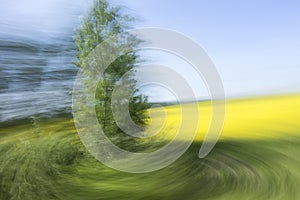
(257,118)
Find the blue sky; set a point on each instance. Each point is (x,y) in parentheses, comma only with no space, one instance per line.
(255,45)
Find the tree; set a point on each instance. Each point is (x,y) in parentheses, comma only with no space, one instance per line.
(102,22)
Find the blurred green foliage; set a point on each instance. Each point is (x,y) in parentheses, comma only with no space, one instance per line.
(102,23)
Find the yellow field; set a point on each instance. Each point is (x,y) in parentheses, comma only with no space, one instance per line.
(258,118)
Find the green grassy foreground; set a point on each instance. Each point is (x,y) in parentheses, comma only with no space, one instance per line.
(45,160)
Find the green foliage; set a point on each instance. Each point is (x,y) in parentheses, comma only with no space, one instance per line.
(56,166)
(103,22)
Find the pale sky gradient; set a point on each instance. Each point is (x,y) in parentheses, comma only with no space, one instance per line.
(254,44)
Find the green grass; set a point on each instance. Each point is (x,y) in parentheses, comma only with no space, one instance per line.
(45,160)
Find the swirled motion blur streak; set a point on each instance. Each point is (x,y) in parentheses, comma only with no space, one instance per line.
(255,46)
